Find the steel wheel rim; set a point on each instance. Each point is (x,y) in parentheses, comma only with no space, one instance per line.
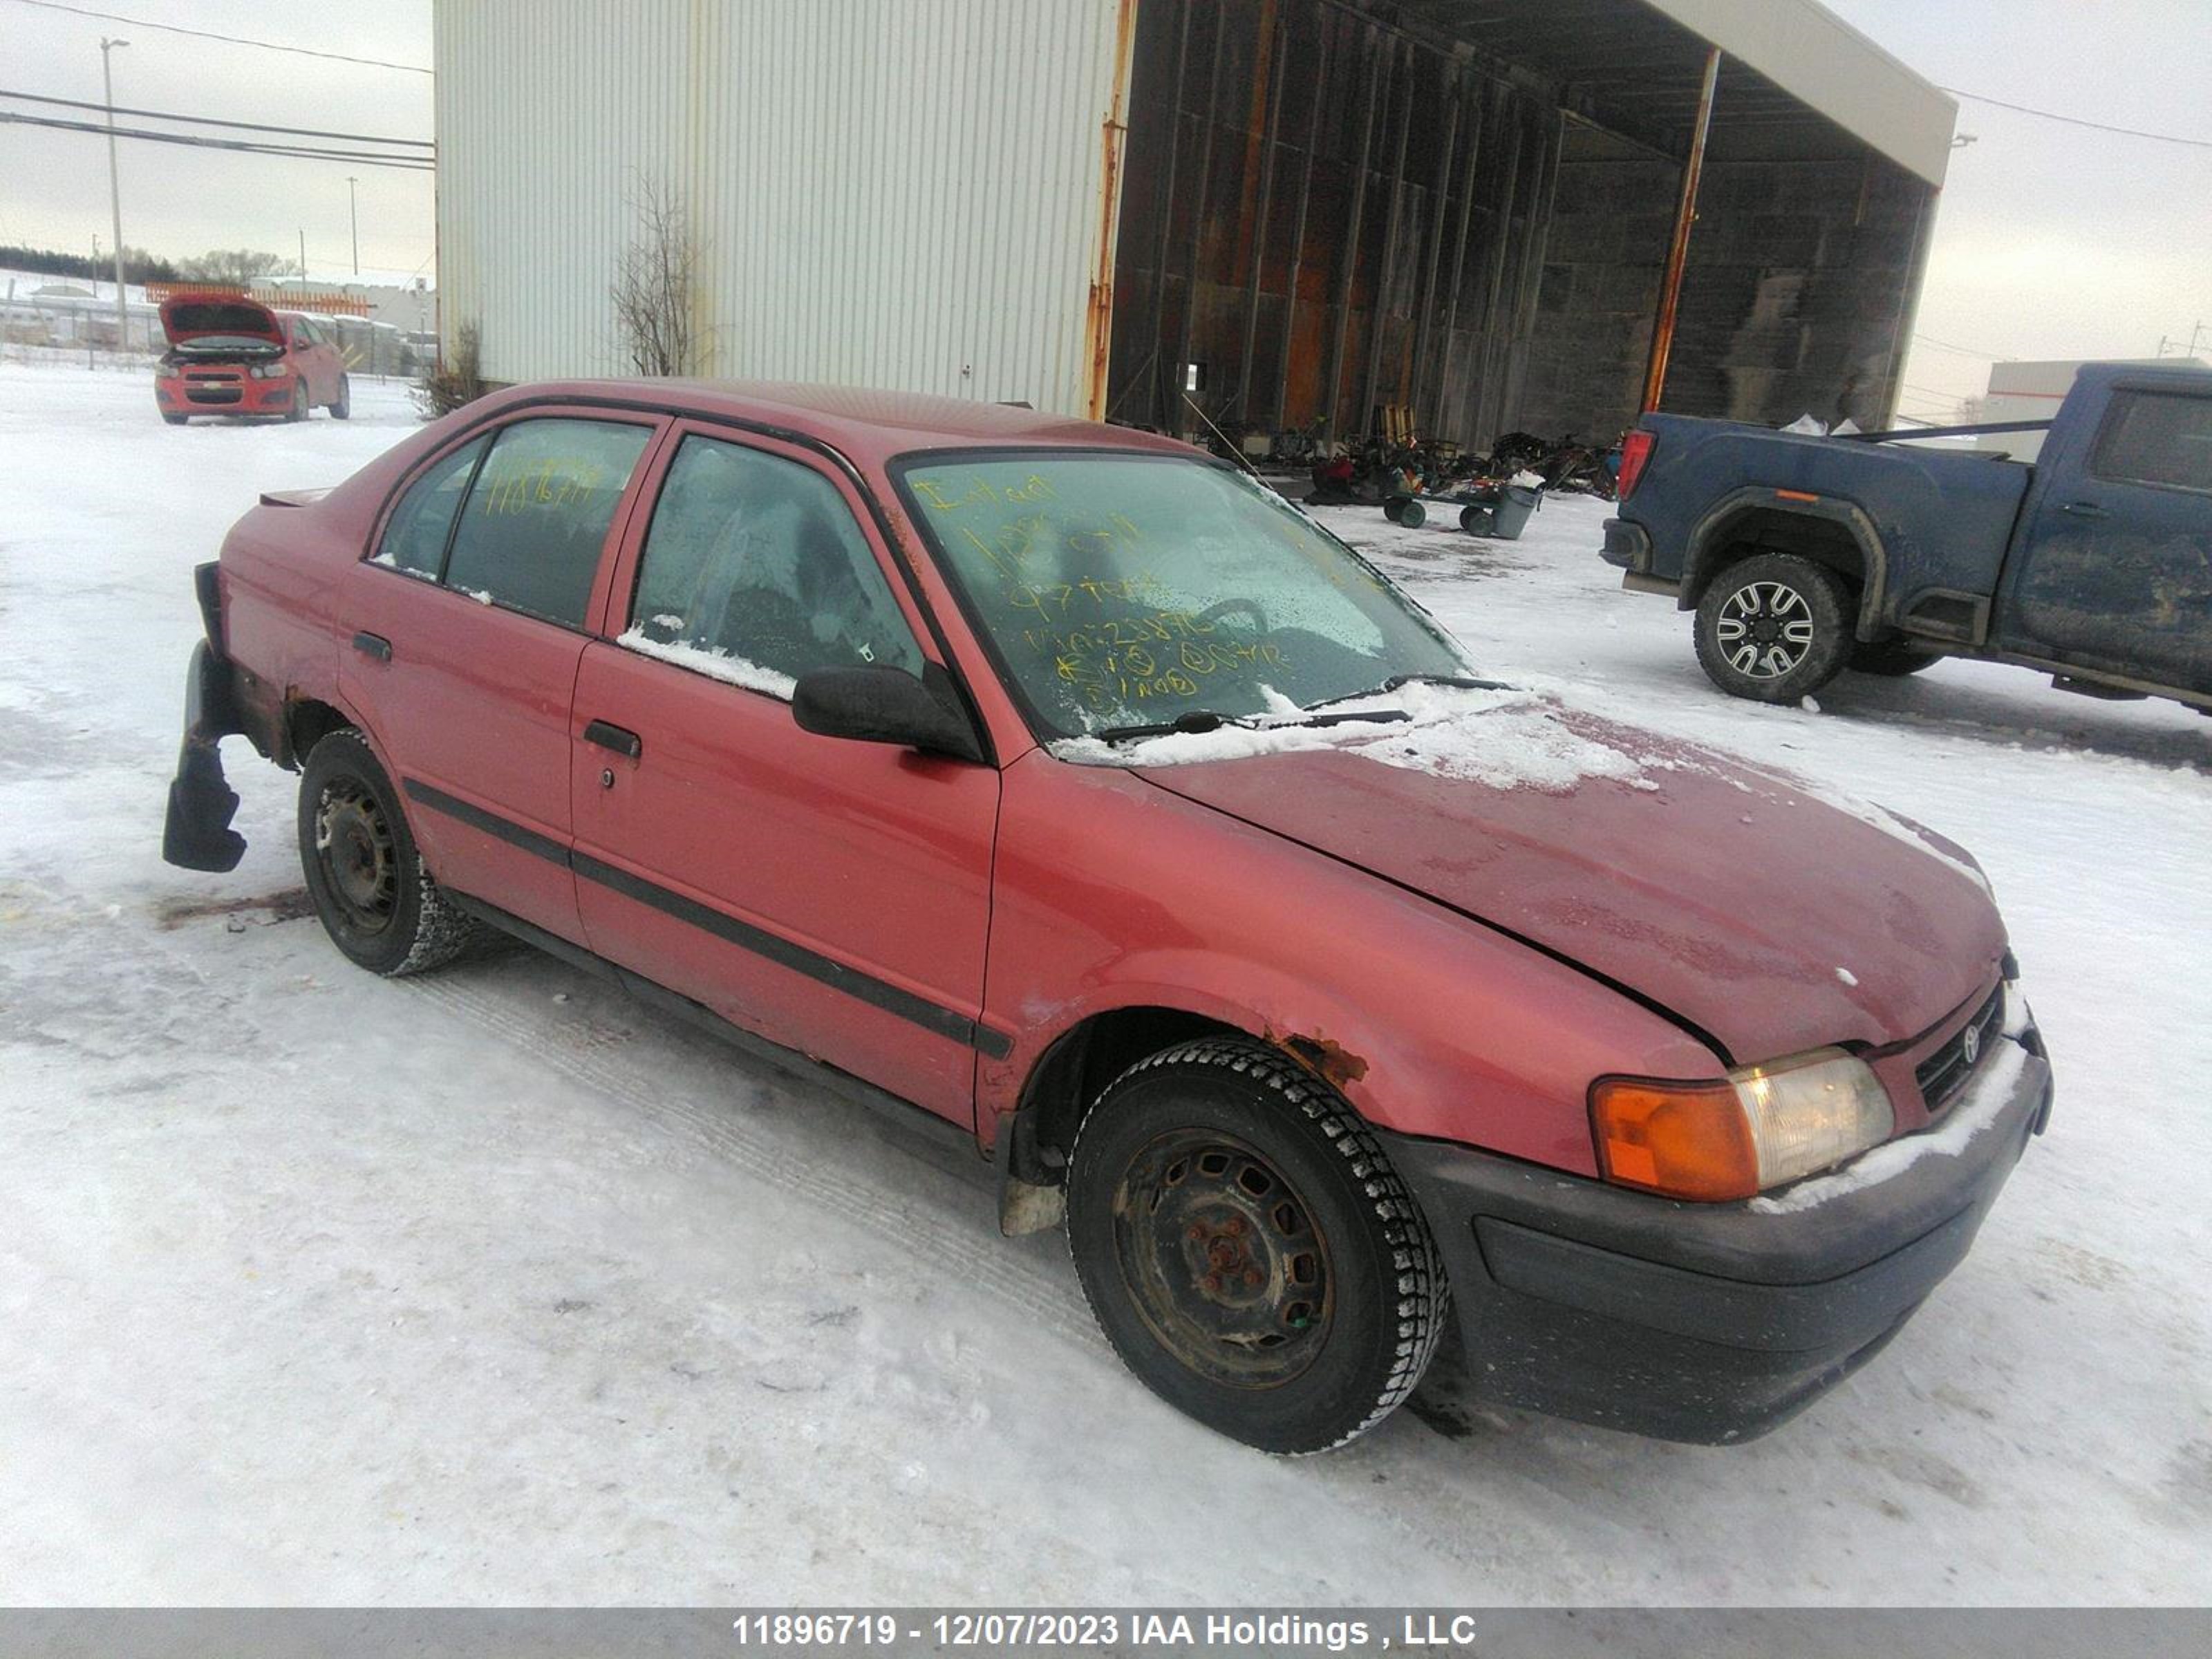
(1223,1258)
(357,854)
(1764,630)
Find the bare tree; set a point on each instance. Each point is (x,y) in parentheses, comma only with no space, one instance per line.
(456,380)
(233,267)
(652,285)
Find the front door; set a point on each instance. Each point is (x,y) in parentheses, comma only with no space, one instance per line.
(2115,572)
(462,632)
(829,895)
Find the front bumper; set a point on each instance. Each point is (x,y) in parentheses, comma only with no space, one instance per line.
(178,394)
(1705,1323)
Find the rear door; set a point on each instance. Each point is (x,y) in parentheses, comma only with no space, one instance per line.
(829,895)
(2115,569)
(460,636)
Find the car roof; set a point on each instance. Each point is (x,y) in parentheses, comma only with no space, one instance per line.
(864,423)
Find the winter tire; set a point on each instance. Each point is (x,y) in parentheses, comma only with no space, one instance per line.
(379,904)
(341,405)
(1248,1249)
(1893,658)
(297,408)
(1775,627)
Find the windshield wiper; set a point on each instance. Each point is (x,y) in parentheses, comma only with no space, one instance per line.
(1465,681)
(1190,721)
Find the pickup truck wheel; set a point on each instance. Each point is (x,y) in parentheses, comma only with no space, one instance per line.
(1248,1249)
(379,903)
(1775,627)
(1893,658)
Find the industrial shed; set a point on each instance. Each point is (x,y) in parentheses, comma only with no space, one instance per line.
(1267,214)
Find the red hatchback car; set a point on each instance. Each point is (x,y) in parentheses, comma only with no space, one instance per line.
(231,355)
(1072,786)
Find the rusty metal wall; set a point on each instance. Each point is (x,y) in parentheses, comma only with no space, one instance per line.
(1328,216)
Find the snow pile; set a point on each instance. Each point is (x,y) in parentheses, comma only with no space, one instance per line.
(1506,737)
(708,661)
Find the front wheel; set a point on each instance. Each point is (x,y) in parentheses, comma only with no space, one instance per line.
(1248,1249)
(341,405)
(1775,627)
(377,901)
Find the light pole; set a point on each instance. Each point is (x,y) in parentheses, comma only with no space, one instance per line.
(114,187)
(353,212)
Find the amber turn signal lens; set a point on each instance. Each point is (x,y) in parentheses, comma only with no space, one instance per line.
(1685,1140)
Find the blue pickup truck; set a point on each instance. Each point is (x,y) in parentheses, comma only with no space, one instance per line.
(1803,556)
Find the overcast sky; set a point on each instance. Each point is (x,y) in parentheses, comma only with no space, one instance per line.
(2052,241)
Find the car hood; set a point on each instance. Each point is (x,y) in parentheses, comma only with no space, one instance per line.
(1771,919)
(187,317)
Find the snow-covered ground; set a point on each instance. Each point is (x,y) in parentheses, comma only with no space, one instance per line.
(493,1286)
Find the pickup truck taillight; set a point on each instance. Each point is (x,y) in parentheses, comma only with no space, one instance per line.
(1635,451)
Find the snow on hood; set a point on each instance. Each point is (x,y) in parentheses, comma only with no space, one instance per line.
(1728,895)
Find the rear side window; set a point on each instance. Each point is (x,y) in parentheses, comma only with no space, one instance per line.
(536,520)
(415,535)
(754,572)
(2157,438)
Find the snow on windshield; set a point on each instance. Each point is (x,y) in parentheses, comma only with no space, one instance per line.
(1503,736)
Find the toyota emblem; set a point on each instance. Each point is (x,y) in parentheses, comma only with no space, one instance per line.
(1969,1043)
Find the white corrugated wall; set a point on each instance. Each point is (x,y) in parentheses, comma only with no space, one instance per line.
(901,193)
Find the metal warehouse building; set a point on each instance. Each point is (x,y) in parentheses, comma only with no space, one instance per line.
(1284,211)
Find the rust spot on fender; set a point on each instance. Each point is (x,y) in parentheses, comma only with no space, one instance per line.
(1326,1058)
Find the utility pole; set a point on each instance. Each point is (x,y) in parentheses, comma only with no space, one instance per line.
(353,212)
(303,259)
(114,187)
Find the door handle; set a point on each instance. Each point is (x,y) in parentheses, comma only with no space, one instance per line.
(621,740)
(372,645)
(2085,510)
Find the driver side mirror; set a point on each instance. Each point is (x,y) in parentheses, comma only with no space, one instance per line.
(886,705)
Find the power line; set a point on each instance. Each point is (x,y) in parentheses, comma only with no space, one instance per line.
(227,39)
(296,152)
(1964,352)
(2076,121)
(213,121)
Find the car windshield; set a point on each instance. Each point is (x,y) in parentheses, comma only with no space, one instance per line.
(1126,592)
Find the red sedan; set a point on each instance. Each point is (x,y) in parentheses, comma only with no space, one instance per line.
(231,355)
(1070,786)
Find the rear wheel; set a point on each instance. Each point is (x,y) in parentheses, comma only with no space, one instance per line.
(341,405)
(1249,1250)
(1413,515)
(1775,627)
(379,903)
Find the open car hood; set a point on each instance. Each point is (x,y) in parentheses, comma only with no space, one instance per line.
(1770,920)
(187,317)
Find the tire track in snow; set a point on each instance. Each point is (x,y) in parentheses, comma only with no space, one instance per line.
(723,1133)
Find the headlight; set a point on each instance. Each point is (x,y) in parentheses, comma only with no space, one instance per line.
(270,371)
(1763,1126)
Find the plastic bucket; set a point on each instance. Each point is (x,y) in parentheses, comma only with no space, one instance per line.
(1510,516)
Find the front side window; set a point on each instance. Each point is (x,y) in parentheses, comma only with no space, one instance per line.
(536,520)
(1123,591)
(754,572)
(415,535)
(2157,438)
